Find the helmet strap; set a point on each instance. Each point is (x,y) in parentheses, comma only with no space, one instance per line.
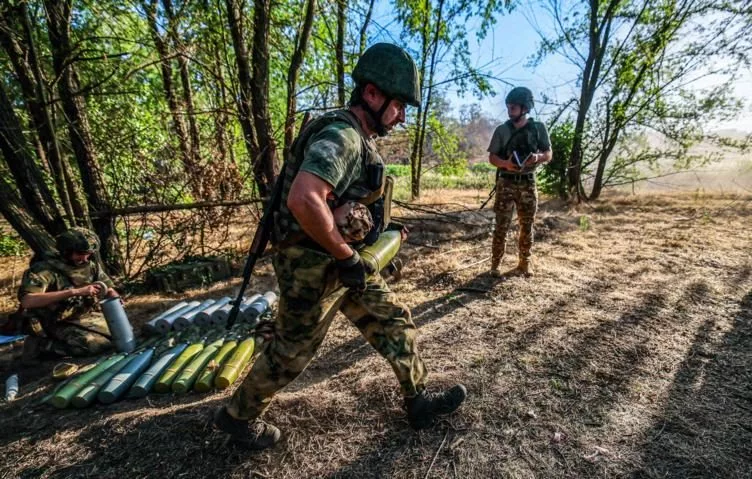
(378,125)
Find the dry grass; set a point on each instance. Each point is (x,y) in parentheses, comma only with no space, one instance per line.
(629,354)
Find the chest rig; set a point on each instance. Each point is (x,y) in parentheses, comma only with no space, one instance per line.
(523,140)
(367,189)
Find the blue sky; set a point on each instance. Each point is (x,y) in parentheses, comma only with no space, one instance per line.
(508,49)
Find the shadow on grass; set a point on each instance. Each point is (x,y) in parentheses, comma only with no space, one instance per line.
(705,429)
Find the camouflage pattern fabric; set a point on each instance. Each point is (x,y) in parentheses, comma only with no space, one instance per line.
(334,148)
(50,323)
(310,296)
(353,221)
(511,194)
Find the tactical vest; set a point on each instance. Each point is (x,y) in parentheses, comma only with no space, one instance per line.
(523,140)
(367,191)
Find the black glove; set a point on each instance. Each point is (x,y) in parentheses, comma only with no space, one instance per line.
(352,272)
(394,226)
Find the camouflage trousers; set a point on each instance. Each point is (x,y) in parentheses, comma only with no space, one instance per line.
(64,338)
(510,194)
(310,296)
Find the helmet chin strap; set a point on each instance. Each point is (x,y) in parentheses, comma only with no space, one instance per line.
(378,125)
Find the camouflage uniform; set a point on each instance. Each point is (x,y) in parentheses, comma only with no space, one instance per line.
(310,292)
(54,326)
(516,189)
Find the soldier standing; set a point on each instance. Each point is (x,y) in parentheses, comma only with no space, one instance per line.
(517,147)
(334,161)
(58,296)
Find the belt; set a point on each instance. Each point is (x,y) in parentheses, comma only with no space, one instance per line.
(518,178)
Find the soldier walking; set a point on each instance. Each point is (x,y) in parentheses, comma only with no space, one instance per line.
(332,163)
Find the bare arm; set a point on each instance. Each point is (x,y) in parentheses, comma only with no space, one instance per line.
(41,300)
(307,203)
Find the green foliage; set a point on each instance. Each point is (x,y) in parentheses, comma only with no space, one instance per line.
(11,245)
(444,147)
(433,180)
(584,223)
(482,168)
(398,170)
(552,176)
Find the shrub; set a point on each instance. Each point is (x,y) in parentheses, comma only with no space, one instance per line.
(11,245)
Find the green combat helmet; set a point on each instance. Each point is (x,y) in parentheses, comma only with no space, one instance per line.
(392,70)
(77,240)
(521,96)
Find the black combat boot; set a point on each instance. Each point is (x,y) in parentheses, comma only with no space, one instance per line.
(254,435)
(423,409)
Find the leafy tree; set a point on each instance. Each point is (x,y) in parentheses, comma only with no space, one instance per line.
(438,29)
(637,62)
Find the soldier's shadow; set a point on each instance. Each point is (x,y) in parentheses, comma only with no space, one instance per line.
(333,361)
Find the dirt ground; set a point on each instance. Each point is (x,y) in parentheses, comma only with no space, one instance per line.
(628,354)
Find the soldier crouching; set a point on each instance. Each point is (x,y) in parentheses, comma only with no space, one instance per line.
(59,297)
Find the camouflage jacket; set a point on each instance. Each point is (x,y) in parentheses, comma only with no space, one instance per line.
(54,274)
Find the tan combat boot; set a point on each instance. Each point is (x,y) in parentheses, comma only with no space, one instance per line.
(495,262)
(525,267)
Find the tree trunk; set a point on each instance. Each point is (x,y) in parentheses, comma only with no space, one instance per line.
(423,121)
(28,72)
(58,20)
(264,166)
(296,62)
(599,36)
(15,213)
(245,97)
(189,108)
(25,171)
(339,50)
(416,161)
(173,103)
(364,28)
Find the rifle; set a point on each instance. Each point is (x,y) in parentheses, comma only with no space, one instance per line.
(262,235)
(493,191)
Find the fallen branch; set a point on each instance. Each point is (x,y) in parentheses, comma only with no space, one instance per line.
(133,210)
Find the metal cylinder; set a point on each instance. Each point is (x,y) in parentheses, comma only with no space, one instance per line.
(220,316)
(258,307)
(383,250)
(117,321)
(186,319)
(164,324)
(151,326)
(11,387)
(203,317)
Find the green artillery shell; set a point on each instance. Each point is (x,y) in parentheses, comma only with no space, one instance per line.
(239,360)
(85,396)
(164,382)
(124,379)
(63,397)
(383,250)
(145,383)
(205,381)
(187,376)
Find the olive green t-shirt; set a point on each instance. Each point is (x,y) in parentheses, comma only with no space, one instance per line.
(334,155)
(338,154)
(503,133)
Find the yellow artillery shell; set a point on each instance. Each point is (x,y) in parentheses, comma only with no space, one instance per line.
(205,381)
(165,381)
(235,365)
